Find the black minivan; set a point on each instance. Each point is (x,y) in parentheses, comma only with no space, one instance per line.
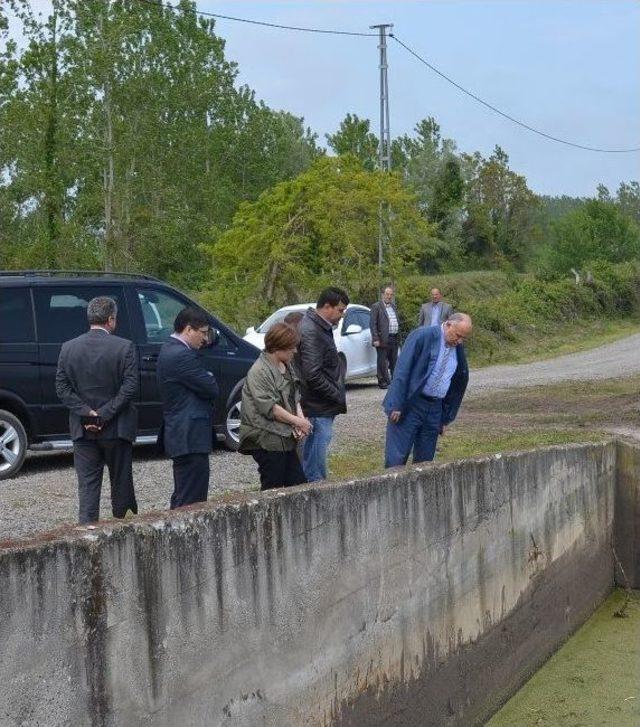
(40,310)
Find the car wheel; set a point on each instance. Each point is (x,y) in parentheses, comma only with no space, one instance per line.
(13,444)
(232,424)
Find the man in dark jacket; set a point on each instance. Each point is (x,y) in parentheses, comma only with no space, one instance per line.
(188,391)
(97,379)
(427,389)
(384,324)
(322,378)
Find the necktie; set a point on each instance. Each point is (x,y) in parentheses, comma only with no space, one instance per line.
(439,375)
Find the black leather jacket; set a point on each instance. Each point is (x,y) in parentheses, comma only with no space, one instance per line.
(321,369)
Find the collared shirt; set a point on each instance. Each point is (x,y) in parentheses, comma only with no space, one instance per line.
(393,319)
(435,313)
(100,328)
(445,367)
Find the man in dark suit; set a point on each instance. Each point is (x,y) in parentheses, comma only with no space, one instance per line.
(384,323)
(435,312)
(427,389)
(97,379)
(188,391)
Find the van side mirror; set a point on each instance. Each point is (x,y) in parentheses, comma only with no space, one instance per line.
(213,337)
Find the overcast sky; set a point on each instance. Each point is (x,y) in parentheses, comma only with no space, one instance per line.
(571,69)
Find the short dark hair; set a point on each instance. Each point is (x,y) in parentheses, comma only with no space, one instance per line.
(193,317)
(333,297)
(100,309)
(293,318)
(281,337)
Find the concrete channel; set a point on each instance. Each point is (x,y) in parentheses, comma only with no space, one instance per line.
(424,596)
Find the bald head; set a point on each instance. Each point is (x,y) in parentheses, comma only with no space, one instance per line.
(457,329)
(436,295)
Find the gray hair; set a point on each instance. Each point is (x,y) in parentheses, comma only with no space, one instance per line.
(100,310)
(459,318)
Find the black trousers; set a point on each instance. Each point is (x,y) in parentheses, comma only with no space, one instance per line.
(89,459)
(278,469)
(386,360)
(190,479)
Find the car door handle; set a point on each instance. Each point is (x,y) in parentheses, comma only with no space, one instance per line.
(150,357)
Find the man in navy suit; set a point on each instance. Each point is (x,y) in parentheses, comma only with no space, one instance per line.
(188,391)
(426,391)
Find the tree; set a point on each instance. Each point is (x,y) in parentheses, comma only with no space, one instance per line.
(628,199)
(598,231)
(500,222)
(354,137)
(318,229)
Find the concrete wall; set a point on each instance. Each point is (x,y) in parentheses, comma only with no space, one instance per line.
(627,515)
(422,597)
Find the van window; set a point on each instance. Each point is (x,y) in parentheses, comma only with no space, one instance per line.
(159,311)
(61,312)
(16,316)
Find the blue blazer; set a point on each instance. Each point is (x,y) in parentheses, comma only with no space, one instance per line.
(415,363)
(188,391)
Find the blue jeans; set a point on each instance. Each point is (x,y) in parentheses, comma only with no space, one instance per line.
(418,429)
(314,453)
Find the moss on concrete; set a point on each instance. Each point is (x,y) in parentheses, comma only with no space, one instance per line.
(594,679)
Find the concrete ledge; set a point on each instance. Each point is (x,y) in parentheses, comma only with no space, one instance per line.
(421,597)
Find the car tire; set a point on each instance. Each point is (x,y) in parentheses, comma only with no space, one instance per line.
(13,444)
(232,423)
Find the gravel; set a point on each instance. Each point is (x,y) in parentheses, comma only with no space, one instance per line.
(44,495)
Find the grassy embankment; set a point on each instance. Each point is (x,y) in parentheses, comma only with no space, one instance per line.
(519,318)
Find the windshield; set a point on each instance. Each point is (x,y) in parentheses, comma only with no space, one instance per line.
(274,318)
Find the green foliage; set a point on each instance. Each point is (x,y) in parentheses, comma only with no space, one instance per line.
(125,139)
(319,229)
(499,226)
(597,231)
(354,137)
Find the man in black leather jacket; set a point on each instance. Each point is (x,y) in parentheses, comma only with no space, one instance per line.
(323,374)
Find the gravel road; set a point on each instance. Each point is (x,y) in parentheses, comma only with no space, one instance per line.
(43,496)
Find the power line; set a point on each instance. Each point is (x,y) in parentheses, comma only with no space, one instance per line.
(261,22)
(505,115)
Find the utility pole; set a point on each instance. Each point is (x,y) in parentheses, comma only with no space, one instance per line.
(384,144)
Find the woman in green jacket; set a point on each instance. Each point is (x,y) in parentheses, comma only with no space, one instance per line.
(272,421)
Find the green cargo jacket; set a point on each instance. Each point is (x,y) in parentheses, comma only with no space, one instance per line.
(265,386)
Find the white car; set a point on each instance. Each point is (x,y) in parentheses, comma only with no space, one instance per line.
(352,336)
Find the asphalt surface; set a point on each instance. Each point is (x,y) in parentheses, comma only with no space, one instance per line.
(43,496)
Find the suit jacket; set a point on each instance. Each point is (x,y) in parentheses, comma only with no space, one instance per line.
(415,363)
(98,371)
(446,311)
(188,391)
(379,322)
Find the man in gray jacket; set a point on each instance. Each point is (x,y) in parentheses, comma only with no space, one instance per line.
(97,379)
(436,312)
(384,324)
